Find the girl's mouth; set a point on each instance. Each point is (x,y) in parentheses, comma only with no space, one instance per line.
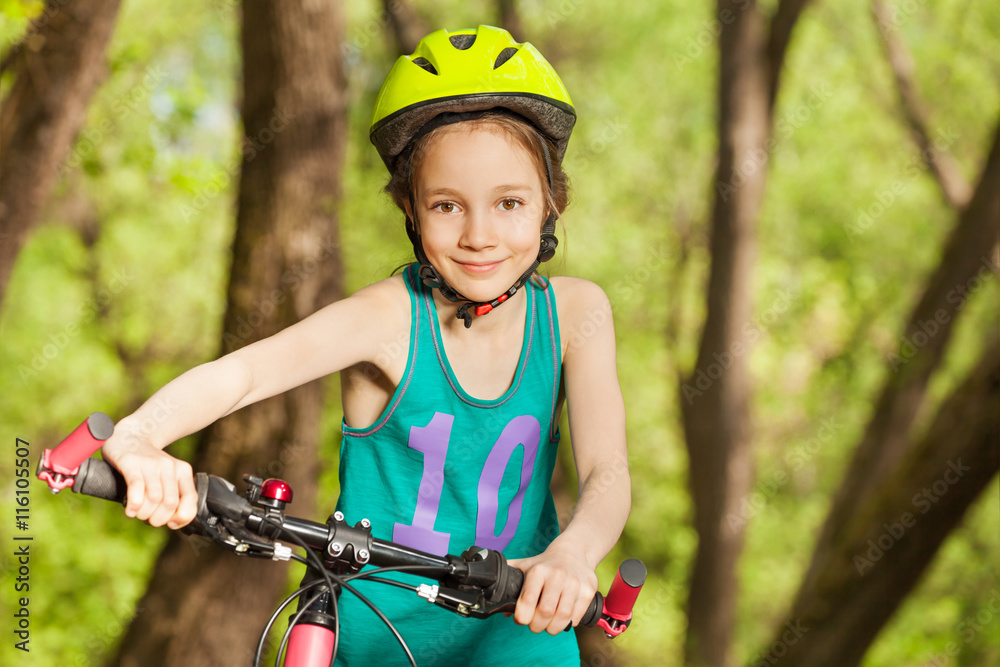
(479,267)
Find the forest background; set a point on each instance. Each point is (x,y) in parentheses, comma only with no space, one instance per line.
(122,285)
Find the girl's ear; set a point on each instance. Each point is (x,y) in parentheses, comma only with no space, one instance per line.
(410,221)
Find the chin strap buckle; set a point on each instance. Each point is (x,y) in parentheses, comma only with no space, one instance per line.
(484,308)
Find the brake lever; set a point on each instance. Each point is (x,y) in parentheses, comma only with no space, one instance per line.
(227,531)
(479,586)
(462,602)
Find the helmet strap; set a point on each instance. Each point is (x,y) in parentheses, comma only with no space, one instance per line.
(430,276)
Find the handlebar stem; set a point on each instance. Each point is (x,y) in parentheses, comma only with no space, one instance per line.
(348,548)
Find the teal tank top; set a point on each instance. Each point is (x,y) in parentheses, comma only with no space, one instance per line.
(441,471)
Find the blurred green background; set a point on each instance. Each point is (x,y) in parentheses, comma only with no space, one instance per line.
(123,286)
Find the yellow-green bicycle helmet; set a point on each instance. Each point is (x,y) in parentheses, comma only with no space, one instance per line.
(456,76)
(469,70)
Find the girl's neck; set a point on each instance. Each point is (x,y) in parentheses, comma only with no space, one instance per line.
(507,318)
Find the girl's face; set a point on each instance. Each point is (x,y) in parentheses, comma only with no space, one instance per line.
(480,206)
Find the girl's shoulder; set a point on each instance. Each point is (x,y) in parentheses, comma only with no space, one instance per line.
(576,297)
(583,309)
(391,289)
(388,299)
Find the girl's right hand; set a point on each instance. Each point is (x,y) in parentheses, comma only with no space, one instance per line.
(160,487)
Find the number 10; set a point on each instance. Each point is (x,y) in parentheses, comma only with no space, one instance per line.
(432,440)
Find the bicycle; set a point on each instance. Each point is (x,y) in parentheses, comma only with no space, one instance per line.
(477,584)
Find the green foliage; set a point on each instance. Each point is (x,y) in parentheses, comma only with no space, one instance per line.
(100,322)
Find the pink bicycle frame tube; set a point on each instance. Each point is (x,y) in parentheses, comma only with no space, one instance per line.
(309,646)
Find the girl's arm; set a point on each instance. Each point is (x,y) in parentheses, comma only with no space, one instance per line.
(560,582)
(160,487)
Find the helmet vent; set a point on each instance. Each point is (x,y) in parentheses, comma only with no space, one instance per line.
(504,56)
(423,63)
(462,42)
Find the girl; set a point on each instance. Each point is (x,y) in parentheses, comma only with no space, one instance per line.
(453,444)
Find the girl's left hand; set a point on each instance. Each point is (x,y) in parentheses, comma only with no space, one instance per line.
(558,587)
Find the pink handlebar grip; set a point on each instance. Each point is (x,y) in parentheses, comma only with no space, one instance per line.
(623,592)
(79,445)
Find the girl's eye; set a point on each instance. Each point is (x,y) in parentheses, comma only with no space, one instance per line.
(445,207)
(510,204)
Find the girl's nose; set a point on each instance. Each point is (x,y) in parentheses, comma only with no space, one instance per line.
(478,232)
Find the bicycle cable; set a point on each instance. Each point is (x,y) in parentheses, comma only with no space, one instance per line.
(388,623)
(414,569)
(329,577)
(393,582)
(258,655)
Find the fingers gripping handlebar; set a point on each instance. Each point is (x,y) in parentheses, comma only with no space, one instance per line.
(98,479)
(478,584)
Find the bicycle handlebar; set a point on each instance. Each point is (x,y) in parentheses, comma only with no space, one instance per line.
(479,583)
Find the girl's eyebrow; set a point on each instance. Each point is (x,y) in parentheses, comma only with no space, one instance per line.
(433,192)
(513,187)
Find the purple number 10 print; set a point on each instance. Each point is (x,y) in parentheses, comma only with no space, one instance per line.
(432,440)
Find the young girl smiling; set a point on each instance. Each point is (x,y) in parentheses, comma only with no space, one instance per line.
(454,443)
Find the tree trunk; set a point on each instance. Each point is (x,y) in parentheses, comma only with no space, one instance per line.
(56,68)
(407,26)
(889,541)
(938,161)
(204,606)
(886,453)
(715,396)
(966,256)
(510,19)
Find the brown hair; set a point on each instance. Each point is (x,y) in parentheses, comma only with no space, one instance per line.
(519,132)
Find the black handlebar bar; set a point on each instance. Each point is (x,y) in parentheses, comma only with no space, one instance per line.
(99,479)
(479,583)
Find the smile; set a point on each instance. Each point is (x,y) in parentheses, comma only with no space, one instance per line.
(479,267)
